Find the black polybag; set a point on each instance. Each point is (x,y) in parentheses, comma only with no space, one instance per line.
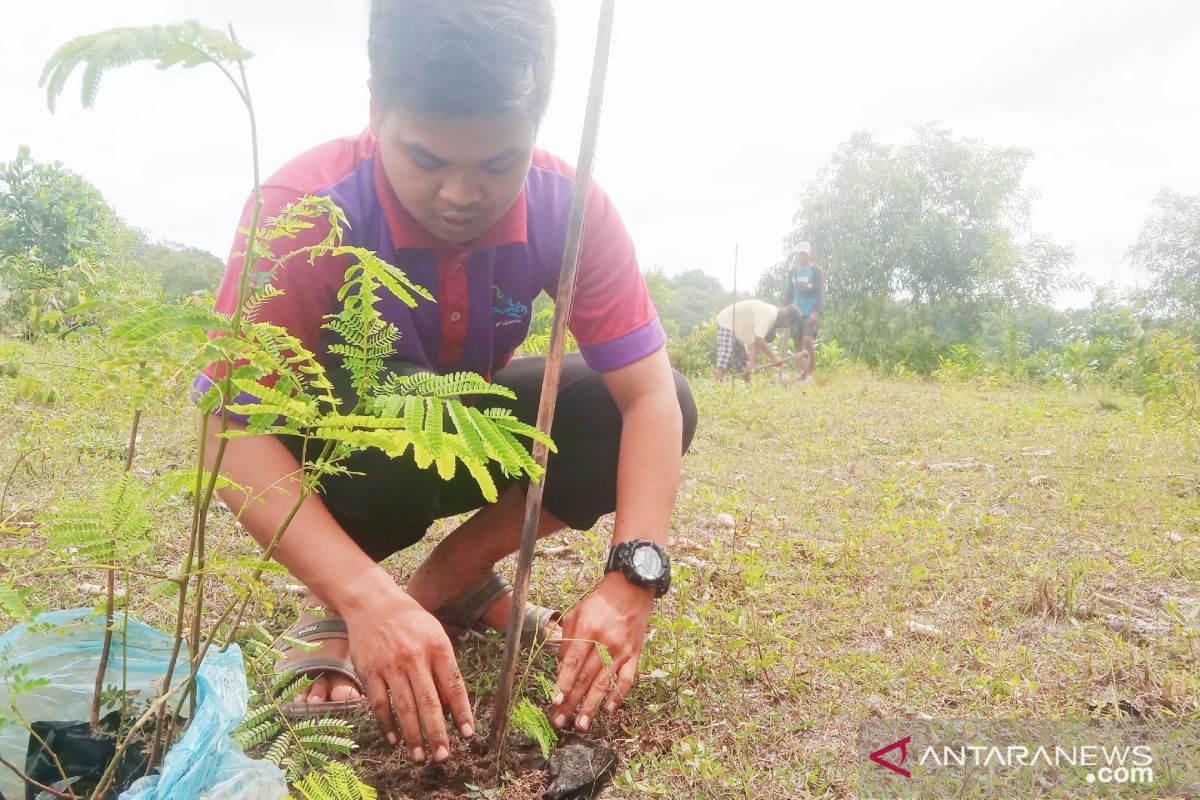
(84,754)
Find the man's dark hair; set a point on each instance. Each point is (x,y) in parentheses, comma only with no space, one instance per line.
(462,57)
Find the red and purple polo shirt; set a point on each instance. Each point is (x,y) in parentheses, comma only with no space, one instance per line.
(484,290)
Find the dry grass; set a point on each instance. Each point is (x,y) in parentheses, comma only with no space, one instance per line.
(991,517)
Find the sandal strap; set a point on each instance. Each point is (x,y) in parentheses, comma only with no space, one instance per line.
(302,666)
(468,610)
(538,622)
(319,630)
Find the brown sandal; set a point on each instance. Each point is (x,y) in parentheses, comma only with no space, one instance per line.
(465,615)
(318,630)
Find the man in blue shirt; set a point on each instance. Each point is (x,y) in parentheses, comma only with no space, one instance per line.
(806,284)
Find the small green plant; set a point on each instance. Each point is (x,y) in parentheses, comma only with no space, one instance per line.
(531,721)
(961,363)
(537,343)
(696,353)
(295,746)
(1167,375)
(831,356)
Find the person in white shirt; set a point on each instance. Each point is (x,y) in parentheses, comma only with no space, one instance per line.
(744,329)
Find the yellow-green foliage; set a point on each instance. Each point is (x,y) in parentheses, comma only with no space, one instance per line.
(334,782)
(531,721)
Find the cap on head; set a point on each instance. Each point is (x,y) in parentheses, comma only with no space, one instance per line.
(804,247)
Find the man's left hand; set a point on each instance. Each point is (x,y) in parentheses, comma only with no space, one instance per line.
(615,616)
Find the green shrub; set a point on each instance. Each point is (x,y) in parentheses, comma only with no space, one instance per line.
(1167,375)
(696,353)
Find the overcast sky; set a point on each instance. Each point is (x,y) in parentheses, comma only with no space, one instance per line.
(716,115)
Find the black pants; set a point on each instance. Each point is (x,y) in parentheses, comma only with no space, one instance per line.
(390,504)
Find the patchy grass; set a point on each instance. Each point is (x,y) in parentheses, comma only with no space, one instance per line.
(1008,524)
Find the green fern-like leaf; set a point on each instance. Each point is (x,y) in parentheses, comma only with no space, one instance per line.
(392,442)
(304,761)
(431,436)
(504,419)
(316,726)
(278,750)
(467,430)
(187,43)
(372,273)
(300,215)
(326,743)
(168,319)
(112,527)
(249,737)
(414,424)
(547,686)
(336,781)
(274,403)
(454,384)
(295,746)
(531,721)
(183,479)
(487,484)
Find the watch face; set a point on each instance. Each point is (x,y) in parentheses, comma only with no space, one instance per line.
(647,562)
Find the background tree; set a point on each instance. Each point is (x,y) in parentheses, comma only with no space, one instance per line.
(659,287)
(921,243)
(1168,251)
(47,212)
(182,270)
(696,298)
(53,226)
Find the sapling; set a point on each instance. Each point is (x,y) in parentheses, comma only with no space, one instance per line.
(156,347)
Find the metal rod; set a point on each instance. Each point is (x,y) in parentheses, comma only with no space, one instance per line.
(550,380)
(733,320)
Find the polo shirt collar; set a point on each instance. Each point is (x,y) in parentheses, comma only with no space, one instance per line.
(406,232)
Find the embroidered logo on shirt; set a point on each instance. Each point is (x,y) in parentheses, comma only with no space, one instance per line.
(507,309)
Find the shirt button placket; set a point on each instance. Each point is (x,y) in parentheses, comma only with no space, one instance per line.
(457,265)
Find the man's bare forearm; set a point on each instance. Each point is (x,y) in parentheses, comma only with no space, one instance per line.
(648,468)
(314,548)
(651,449)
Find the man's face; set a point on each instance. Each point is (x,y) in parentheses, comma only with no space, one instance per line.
(803,259)
(457,176)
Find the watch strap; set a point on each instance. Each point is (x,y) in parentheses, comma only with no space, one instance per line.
(614,558)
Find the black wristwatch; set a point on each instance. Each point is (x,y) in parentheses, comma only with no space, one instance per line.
(643,563)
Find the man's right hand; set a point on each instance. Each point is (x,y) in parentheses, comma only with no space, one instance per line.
(404,659)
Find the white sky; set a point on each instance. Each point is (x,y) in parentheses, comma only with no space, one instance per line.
(716,114)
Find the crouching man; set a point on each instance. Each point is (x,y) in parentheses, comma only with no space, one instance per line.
(447,183)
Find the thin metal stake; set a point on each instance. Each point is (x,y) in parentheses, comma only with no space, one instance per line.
(733,321)
(554,358)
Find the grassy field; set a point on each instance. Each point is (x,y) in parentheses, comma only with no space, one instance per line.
(900,549)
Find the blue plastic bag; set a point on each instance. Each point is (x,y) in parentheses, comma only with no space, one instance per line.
(64,647)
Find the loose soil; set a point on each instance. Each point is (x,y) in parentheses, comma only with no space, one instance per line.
(392,772)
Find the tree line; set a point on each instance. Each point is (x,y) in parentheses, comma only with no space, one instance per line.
(63,247)
(926,246)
